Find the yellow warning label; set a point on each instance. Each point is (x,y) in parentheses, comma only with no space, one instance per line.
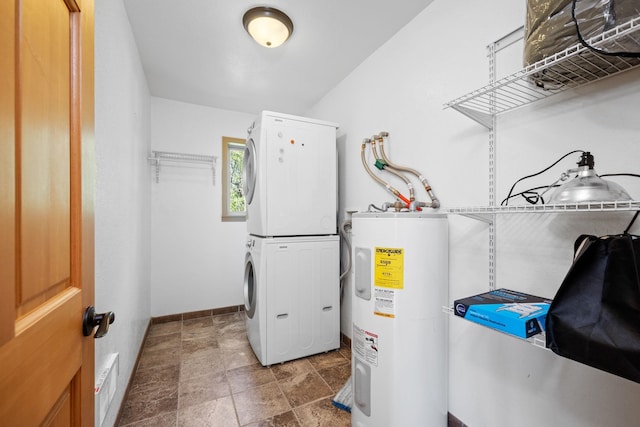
(389,268)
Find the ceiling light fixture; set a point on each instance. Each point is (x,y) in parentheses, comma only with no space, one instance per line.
(268,26)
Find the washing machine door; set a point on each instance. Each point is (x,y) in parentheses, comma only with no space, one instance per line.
(250,286)
(249,172)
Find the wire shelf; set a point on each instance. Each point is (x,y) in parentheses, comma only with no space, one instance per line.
(157,157)
(485,213)
(569,68)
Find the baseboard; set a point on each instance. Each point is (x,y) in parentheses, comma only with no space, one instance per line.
(197,314)
(345,340)
(453,421)
(133,372)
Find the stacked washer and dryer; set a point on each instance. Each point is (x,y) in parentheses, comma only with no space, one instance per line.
(292,262)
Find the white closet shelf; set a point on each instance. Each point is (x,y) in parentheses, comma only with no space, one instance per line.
(569,68)
(485,213)
(158,157)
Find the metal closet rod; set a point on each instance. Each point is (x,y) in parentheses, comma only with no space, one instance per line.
(157,157)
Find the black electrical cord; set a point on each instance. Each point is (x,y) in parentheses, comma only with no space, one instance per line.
(594,49)
(626,231)
(506,199)
(635,175)
(531,195)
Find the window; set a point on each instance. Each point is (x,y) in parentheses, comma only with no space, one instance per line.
(233,204)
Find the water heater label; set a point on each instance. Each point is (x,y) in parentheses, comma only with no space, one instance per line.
(365,345)
(389,268)
(385,303)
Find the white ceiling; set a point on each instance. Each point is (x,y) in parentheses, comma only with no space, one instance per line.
(197,51)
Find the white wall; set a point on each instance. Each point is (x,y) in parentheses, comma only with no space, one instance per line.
(122,191)
(494,380)
(197,261)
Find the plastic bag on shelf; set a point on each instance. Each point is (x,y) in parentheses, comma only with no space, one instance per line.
(550,29)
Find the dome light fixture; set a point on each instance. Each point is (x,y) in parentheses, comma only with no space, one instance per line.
(268,26)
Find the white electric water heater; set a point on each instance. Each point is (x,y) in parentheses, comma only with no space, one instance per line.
(399,336)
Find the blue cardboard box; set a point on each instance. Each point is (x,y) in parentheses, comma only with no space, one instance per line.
(513,312)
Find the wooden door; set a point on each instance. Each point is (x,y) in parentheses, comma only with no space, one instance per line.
(46,212)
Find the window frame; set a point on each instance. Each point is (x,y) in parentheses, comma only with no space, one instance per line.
(230,144)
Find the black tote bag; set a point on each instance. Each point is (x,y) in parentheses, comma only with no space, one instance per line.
(595,316)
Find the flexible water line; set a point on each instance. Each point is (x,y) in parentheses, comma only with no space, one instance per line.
(387,167)
(344,233)
(435,203)
(391,189)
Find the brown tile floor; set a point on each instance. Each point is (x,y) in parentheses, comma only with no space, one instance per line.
(202,372)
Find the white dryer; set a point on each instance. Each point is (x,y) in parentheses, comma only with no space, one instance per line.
(292,296)
(290,176)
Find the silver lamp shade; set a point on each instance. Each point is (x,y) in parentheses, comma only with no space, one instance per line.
(588,187)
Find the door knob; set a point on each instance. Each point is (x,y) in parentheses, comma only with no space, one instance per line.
(91,319)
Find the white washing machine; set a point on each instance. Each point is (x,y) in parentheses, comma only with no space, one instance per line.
(290,176)
(292,296)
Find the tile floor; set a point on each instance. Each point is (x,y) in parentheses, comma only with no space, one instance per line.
(202,372)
